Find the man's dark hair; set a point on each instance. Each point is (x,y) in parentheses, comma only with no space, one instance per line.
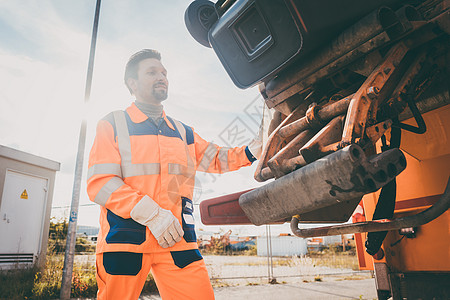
(131,69)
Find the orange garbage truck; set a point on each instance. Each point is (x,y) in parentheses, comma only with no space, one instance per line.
(361,128)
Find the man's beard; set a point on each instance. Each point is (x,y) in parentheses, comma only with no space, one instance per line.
(160,95)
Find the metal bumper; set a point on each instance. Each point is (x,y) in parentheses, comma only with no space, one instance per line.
(340,177)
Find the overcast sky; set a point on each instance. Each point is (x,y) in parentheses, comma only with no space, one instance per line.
(43,65)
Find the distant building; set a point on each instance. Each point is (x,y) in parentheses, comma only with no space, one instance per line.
(283,245)
(87,230)
(319,243)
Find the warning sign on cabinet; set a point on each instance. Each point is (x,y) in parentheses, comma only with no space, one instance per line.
(24,195)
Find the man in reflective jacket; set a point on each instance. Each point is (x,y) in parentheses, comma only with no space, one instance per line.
(141,172)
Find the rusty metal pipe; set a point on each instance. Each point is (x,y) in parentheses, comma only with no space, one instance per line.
(265,174)
(274,144)
(316,147)
(408,15)
(428,215)
(324,114)
(293,164)
(288,166)
(278,161)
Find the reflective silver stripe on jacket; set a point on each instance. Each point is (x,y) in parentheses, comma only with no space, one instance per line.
(111,168)
(140,169)
(129,169)
(223,159)
(177,169)
(125,171)
(108,188)
(190,170)
(123,138)
(181,130)
(208,157)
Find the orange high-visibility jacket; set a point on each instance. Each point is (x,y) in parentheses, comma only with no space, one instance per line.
(132,157)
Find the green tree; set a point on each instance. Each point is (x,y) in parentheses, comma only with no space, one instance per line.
(57,238)
(57,235)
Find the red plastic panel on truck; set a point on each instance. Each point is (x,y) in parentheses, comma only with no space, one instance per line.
(223,210)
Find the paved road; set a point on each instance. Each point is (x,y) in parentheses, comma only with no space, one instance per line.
(328,289)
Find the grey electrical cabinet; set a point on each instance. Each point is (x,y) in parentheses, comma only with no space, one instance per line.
(26,190)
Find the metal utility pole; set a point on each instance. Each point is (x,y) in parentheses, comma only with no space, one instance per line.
(71,232)
(272,279)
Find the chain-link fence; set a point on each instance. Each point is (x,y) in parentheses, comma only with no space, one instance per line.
(285,258)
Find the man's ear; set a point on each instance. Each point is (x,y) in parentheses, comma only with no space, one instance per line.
(132,83)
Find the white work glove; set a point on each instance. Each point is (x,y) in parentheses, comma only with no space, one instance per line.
(256,145)
(164,226)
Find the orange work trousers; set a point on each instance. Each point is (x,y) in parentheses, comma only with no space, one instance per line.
(178,275)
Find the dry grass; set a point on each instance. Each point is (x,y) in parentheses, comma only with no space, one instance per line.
(219,283)
(338,260)
(277,261)
(355,277)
